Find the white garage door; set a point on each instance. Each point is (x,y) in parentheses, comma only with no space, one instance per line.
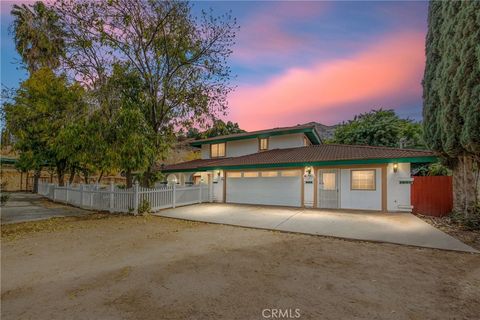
(280,187)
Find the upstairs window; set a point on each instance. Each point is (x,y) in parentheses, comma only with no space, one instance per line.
(263,144)
(217,150)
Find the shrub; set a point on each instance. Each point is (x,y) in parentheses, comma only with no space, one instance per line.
(470,222)
(144,207)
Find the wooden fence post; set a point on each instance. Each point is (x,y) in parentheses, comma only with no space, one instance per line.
(81,195)
(135,198)
(174,196)
(66,192)
(210,188)
(112,195)
(200,192)
(92,194)
(54,194)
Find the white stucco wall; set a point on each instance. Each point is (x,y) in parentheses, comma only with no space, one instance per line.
(286,141)
(237,148)
(242,147)
(308,191)
(398,194)
(360,199)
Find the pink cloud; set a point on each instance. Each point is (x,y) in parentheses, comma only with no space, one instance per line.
(388,71)
(265,33)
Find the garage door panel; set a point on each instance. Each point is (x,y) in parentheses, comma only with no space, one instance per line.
(280,190)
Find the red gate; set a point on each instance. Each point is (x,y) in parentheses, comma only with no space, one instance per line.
(432,196)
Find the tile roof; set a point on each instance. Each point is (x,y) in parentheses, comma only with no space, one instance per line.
(189,165)
(310,154)
(255,133)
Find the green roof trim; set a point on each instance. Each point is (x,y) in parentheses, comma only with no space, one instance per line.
(317,163)
(309,132)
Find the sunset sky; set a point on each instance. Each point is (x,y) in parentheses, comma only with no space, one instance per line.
(297,62)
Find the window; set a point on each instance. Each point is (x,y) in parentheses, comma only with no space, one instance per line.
(363,179)
(217,150)
(269,174)
(329,181)
(290,173)
(234,174)
(250,174)
(263,144)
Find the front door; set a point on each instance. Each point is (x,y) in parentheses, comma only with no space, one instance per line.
(328,188)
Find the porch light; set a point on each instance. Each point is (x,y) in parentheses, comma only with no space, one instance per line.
(395,167)
(308,170)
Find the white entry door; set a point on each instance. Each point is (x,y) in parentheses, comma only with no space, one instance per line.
(328,188)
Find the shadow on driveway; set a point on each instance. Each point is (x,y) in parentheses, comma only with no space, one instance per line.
(23,207)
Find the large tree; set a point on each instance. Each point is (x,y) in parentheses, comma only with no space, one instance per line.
(39,40)
(181,59)
(38,35)
(43,107)
(379,128)
(451,92)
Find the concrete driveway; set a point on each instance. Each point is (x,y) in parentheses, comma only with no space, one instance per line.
(399,228)
(23,207)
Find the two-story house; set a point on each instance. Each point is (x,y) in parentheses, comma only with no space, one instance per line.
(291,167)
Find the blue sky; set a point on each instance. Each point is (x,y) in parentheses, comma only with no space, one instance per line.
(297,62)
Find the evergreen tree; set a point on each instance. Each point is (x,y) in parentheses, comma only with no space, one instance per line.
(451,85)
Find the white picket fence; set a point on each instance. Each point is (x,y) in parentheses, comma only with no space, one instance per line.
(114,199)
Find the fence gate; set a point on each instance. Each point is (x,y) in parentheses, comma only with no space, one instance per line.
(432,196)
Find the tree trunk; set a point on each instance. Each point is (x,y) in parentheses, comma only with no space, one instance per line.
(464,186)
(36,177)
(61,178)
(100,177)
(85,176)
(72,175)
(129,176)
(147,177)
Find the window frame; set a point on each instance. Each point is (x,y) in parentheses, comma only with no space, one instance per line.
(374,180)
(260,144)
(224,150)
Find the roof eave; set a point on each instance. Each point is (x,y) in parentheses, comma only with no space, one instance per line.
(423,159)
(309,131)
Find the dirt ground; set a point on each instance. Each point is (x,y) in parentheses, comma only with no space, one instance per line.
(103,267)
